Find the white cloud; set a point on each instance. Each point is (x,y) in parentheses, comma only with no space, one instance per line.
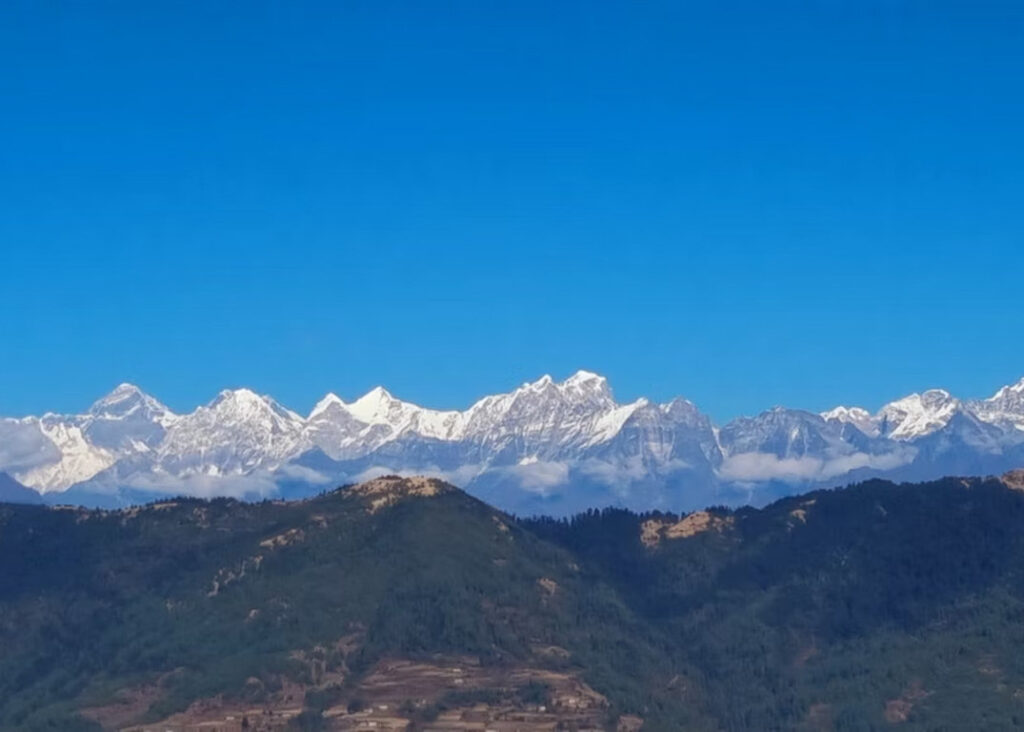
(301,472)
(760,466)
(631,470)
(539,476)
(253,486)
(23,446)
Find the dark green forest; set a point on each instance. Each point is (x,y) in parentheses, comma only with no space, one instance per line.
(854,609)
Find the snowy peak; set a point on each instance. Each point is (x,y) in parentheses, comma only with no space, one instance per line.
(330,403)
(128,400)
(586,385)
(545,418)
(126,422)
(341,429)
(846,414)
(541,434)
(239,406)
(781,432)
(78,458)
(856,416)
(241,398)
(587,377)
(378,406)
(238,431)
(124,396)
(583,389)
(1005,408)
(917,415)
(684,412)
(1011,391)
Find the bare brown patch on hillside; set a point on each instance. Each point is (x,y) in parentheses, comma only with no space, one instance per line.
(799,514)
(654,530)
(570,702)
(127,514)
(898,710)
(544,651)
(226,576)
(218,714)
(389,489)
(1014,480)
(548,586)
(987,666)
(127,706)
(445,693)
(326,667)
(629,723)
(819,718)
(805,654)
(287,538)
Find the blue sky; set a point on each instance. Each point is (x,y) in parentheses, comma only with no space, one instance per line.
(744,203)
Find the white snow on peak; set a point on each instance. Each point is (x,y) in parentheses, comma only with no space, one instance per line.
(1017,388)
(1011,392)
(610,423)
(917,415)
(241,396)
(237,432)
(79,460)
(586,380)
(545,418)
(120,393)
(846,414)
(129,401)
(379,407)
(242,404)
(1005,408)
(857,416)
(376,406)
(329,402)
(345,430)
(545,426)
(241,431)
(124,422)
(588,385)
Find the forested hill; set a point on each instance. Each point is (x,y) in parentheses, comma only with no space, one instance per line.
(405,603)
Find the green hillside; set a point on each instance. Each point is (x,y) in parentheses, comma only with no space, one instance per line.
(409,603)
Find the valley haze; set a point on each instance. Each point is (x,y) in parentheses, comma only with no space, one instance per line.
(547,447)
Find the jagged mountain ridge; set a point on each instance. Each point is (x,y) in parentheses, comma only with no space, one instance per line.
(546,447)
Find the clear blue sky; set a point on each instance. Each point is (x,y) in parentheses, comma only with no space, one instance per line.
(743,203)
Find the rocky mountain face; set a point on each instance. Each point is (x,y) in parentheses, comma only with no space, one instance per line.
(546,447)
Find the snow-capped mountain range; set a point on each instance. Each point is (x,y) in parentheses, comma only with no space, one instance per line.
(546,447)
